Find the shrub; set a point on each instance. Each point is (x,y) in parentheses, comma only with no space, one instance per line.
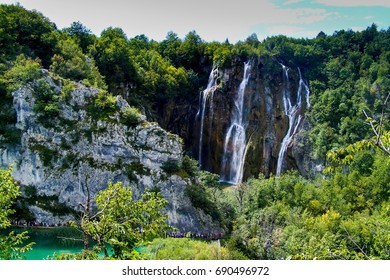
(131,116)
(171,166)
(25,70)
(103,106)
(190,166)
(201,199)
(136,168)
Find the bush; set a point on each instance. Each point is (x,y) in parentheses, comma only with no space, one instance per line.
(46,104)
(72,64)
(25,70)
(136,168)
(190,166)
(131,116)
(103,106)
(201,199)
(171,166)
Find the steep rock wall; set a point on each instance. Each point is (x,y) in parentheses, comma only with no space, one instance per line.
(76,150)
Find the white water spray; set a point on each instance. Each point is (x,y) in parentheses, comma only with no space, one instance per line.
(293,114)
(206,96)
(235,140)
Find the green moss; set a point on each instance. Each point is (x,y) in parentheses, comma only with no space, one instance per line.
(136,168)
(88,134)
(52,204)
(49,203)
(46,155)
(9,134)
(69,161)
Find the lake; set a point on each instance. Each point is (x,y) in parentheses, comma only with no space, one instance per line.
(51,240)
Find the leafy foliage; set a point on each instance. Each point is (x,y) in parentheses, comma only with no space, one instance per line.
(25,32)
(69,62)
(334,218)
(124,223)
(25,70)
(12,246)
(131,116)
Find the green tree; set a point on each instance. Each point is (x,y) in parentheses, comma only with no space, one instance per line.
(24,70)
(114,59)
(69,62)
(169,48)
(12,246)
(27,32)
(123,222)
(81,34)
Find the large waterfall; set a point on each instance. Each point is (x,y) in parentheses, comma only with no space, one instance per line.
(235,140)
(206,96)
(293,112)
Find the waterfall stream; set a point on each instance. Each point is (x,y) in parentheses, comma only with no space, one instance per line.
(292,112)
(305,87)
(206,96)
(235,140)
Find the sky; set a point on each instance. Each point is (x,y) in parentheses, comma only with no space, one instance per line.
(216,20)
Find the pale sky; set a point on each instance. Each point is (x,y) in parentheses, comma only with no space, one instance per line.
(216,19)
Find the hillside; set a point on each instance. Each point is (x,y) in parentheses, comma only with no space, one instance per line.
(300,127)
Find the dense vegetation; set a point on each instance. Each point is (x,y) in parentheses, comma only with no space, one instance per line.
(343,214)
(12,246)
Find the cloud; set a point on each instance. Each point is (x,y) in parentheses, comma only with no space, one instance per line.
(306,15)
(289,2)
(355,3)
(295,16)
(358,28)
(291,31)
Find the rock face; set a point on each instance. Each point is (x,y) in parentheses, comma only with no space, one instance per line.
(66,153)
(275,98)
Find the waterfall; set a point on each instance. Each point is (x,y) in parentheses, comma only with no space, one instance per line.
(235,140)
(293,114)
(305,86)
(206,95)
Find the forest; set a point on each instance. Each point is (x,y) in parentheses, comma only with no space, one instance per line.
(340,212)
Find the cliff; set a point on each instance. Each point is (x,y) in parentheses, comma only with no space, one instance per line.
(60,153)
(251,111)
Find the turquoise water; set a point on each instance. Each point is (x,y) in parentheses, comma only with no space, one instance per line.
(51,240)
(59,240)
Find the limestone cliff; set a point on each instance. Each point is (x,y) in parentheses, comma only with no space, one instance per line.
(60,155)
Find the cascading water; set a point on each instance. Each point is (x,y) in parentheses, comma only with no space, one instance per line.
(293,114)
(206,95)
(235,140)
(306,87)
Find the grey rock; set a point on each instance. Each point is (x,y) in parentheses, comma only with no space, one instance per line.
(62,160)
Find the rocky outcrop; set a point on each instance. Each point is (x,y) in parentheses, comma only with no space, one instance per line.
(62,155)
